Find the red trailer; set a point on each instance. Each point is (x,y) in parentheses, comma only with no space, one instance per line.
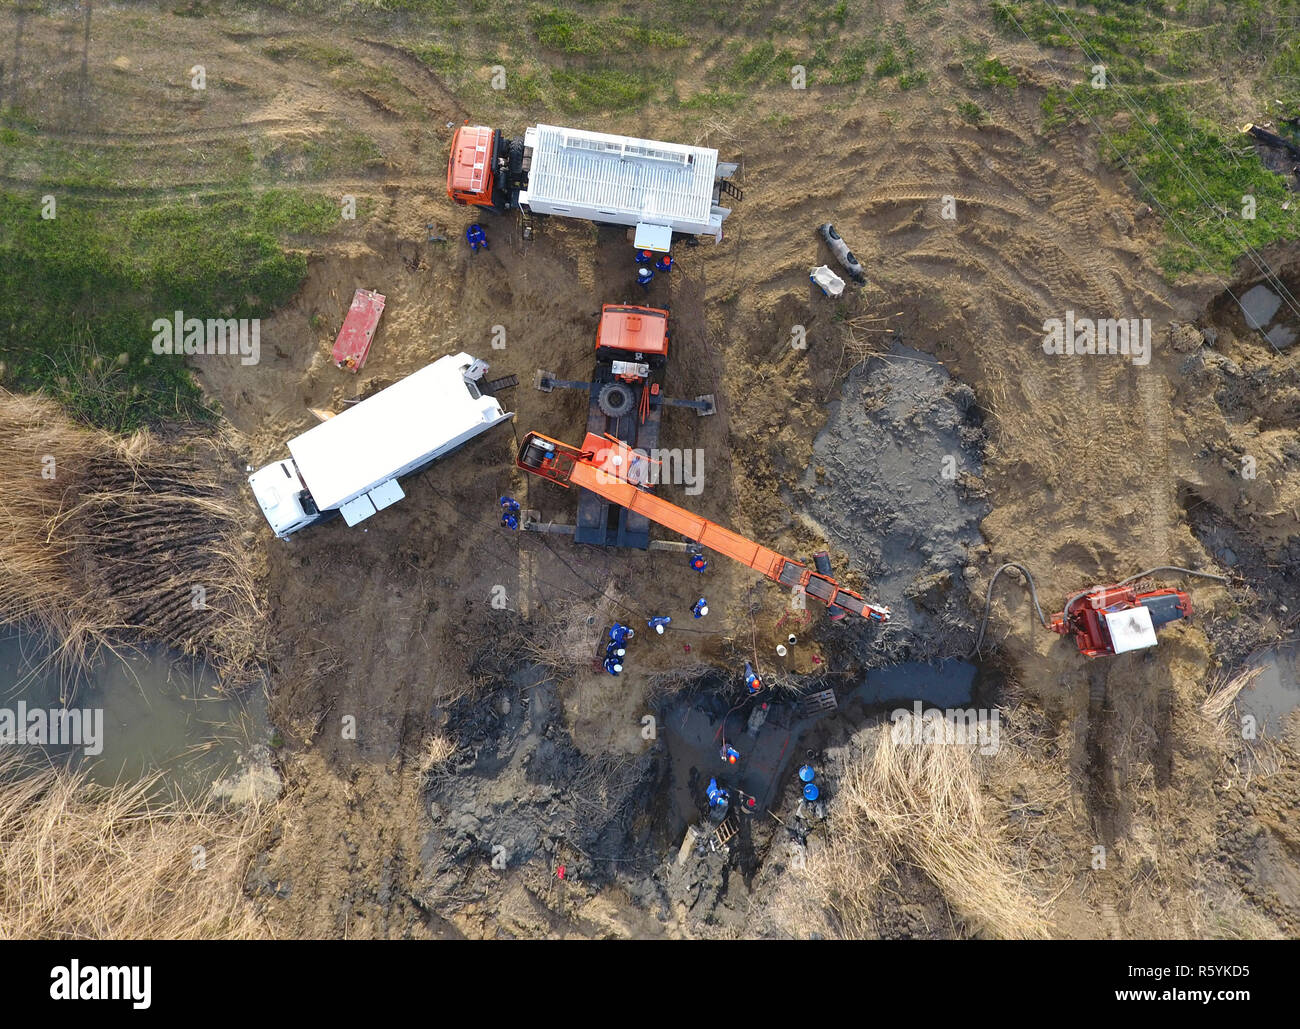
(353,345)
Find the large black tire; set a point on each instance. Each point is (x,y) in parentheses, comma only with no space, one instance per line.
(615,399)
(515,177)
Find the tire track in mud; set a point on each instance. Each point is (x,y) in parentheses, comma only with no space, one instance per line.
(372,188)
(178,137)
(422,71)
(1057,267)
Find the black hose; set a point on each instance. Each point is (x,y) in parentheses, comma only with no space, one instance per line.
(988,601)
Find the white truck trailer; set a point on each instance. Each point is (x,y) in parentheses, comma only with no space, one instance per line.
(351,463)
(661,189)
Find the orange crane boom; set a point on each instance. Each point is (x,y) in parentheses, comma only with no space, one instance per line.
(610,469)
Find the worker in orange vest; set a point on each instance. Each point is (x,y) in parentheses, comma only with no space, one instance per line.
(752,682)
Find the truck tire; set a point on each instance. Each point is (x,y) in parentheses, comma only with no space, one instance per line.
(615,400)
(848,260)
(516,176)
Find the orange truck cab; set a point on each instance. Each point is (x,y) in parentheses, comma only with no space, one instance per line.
(477,167)
(630,334)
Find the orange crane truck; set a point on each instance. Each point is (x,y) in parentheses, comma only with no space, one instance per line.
(625,402)
(606,467)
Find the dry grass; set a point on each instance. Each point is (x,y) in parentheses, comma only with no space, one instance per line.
(1217,707)
(82,862)
(1258,760)
(921,806)
(436,751)
(105,540)
(561,639)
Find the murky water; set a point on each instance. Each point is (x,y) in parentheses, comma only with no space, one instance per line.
(150,711)
(1276,693)
(944,684)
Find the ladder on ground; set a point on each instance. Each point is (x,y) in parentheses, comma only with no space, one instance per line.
(494,386)
(727,188)
(725,832)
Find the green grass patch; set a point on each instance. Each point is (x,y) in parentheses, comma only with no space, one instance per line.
(890,64)
(1164,118)
(713,101)
(762,64)
(579,91)
(994,74)
(572,33)
(447,60)
(1193,172)
(82,290)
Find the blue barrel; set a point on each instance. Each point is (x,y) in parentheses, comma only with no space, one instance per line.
(807,774)
(810,791)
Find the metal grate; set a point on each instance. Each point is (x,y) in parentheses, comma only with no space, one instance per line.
(817,704)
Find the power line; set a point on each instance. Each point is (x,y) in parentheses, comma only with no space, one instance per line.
(1132,171)
(1183,169)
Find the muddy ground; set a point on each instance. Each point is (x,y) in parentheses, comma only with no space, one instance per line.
(1087,469)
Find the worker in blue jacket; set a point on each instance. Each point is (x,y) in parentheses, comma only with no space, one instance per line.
(620,633)
(718,797)
(476,237)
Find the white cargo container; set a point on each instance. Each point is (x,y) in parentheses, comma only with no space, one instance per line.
(662,189)
(350,464)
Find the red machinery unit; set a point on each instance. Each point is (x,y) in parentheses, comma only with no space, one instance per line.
(353,345)
(1117,619)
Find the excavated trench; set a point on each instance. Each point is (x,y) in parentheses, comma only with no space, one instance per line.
(521,789)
